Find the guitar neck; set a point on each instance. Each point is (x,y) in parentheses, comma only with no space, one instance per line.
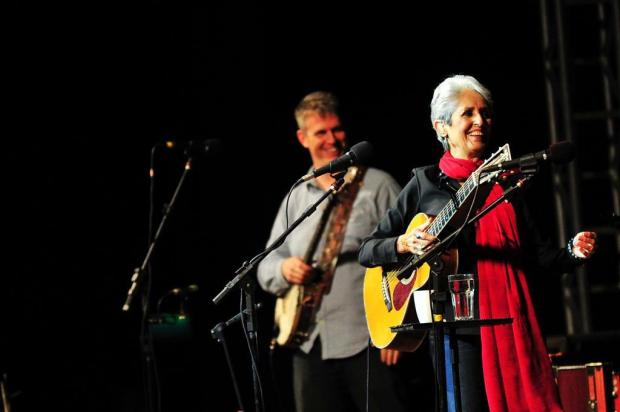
(316,237)
(442,219)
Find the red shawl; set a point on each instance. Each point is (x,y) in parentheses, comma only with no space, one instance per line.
(517,370)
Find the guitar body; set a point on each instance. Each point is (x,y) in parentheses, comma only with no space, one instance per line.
(287,315)
(381,316)
(295,311)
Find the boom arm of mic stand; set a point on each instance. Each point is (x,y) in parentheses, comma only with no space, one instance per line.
(248,266)
(137,273)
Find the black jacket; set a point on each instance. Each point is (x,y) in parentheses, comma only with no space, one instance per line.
(429,191)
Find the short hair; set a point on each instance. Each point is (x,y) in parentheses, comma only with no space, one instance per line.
(321,103)
(446,96)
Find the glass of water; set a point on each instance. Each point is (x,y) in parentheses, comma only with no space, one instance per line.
(462,292)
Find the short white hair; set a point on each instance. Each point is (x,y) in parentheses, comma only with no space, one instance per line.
(446,99)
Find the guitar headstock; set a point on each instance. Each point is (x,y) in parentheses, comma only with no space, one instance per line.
(351,174)
(500,156)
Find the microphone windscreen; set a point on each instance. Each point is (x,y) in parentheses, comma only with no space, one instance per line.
(562,152)
(362,152)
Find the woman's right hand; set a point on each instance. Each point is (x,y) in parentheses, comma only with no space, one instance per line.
(296,271)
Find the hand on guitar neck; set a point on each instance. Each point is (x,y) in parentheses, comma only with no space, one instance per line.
(416,241)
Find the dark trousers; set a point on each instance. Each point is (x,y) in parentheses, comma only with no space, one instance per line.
(471,379)
(339,385)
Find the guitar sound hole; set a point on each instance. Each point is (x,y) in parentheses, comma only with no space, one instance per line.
(408,277)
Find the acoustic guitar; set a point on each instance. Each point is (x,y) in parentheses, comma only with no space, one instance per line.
(387,290)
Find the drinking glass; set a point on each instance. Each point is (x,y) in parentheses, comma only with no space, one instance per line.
(462,292)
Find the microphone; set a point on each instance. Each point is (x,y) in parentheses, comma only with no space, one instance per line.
(558,153)
(208,146)
(360,153)
(184,291)
(217,330)
(246,312)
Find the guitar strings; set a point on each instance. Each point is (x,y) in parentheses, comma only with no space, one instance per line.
(435,227)
(502,154)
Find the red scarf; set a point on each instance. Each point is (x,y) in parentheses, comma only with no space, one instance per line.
(517,370)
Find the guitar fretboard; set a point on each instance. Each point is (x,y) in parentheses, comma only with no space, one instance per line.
(442,219)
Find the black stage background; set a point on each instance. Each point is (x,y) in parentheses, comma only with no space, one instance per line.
(91,88)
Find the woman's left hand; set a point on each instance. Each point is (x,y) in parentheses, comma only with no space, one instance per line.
(417,241)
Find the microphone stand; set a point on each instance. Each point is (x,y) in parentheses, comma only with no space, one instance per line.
(439,297)
(249,283)
(146,338)
(218,334)
(139,271)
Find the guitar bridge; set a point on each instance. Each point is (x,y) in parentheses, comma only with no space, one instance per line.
(385,291)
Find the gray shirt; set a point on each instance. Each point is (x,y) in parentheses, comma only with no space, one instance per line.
(340,322)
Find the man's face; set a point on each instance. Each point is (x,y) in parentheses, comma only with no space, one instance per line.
(323,136)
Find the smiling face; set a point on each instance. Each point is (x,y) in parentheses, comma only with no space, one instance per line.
(470,130)
(323,136)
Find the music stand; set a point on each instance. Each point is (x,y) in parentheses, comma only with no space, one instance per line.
(451,326)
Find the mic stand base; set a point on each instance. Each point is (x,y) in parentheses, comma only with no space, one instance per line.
(218,334)
(249,321)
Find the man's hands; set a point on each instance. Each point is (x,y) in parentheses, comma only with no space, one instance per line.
(296,271)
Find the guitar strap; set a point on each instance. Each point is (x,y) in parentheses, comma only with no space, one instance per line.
(337,226)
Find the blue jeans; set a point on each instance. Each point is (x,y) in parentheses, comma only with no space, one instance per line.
(471,379)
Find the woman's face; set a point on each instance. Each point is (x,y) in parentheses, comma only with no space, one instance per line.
(470,131)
